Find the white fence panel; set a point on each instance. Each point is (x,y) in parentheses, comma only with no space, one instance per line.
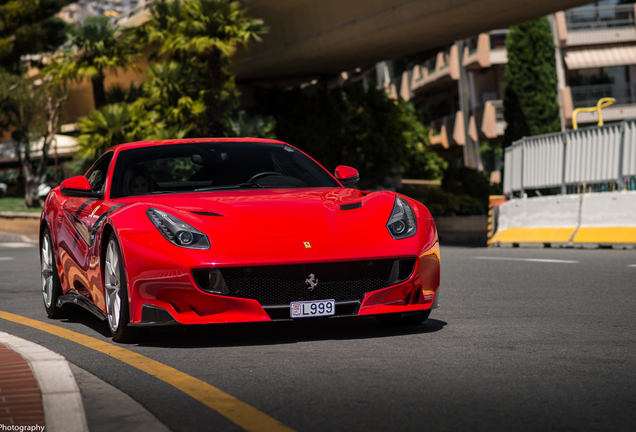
(592,155)
(629,150)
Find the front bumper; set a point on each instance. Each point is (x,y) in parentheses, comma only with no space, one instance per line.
(162,290)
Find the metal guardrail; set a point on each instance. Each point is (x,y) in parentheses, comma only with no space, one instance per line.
(600,17)
(605,154)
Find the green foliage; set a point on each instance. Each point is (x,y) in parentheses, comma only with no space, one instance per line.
(250,125)
(530,93)
(467,181)
(104,128)
(464,192)
(420,163)
(351,126)
(33,114)
(442,203)
(168,105)
(28,27)
(205,32)
(117,94)
(20,107)
(197,27)
(99,48)
(175,92)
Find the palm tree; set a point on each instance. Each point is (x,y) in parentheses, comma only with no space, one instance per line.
(111,125)
(174,92)
(207,31)
(98,47)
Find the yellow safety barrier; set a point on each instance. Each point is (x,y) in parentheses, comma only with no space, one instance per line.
(602,103)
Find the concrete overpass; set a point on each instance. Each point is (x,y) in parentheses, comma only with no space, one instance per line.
(323,37)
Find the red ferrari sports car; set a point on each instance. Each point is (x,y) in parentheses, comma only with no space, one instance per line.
(202,231)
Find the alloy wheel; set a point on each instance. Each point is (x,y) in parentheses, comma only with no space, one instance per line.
(47,270)
(112,283)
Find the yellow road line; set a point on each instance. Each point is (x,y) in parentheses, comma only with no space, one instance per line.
(244,415)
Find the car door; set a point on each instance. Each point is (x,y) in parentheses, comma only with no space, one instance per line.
(79,215)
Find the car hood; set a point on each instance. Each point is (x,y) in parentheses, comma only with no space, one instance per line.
(280,212)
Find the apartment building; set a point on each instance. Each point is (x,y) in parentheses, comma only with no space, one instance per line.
(597,45)
(461,87)
(77,12)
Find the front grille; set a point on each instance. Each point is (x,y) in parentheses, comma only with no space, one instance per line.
(282,284)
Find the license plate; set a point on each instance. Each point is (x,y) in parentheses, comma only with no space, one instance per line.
(312,308)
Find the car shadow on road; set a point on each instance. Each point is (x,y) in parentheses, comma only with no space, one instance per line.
(275,333)
(77,315)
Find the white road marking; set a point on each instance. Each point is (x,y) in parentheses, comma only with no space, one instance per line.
(528,259)
(6,258)
(17,245)
(631,265)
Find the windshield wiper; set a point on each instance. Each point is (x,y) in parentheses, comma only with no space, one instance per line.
(234,186)
(161,192)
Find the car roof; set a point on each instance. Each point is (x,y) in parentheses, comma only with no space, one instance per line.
(138,144)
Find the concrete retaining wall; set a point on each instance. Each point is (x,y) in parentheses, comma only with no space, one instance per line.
(607,218)
(551,219)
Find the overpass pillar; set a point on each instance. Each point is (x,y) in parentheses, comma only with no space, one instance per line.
(470,147)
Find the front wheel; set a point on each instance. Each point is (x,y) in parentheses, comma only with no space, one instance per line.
(116,294)
(408,318)
(51,286)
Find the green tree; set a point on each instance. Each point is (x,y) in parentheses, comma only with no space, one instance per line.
(101,129)
(206,31)
(99,48)
(250,125)
(32,113)
(530,91)
(29,27)
(168,105)
(174,92)
(353,126)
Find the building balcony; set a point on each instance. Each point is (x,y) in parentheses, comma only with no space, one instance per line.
(438,133)
(589,95)
(485,50)
(596,25)
(493,124)
(444,68)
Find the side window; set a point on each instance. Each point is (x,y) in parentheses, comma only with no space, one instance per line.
(97,174)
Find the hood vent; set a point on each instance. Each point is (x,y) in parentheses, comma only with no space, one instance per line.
(203,213)
(351,206)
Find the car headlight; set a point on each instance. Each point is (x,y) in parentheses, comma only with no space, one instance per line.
(402,223)
(178,232)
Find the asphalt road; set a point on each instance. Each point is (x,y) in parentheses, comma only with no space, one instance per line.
(516,345)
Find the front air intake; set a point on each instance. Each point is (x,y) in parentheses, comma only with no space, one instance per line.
(282,284)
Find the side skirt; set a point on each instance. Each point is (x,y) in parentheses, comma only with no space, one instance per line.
(79,300)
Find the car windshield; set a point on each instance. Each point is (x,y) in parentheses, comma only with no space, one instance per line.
(197,167)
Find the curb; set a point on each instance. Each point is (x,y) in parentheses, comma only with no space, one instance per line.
(20,222)
(61,397)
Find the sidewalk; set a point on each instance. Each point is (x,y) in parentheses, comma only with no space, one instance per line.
(41,391)
(20,396)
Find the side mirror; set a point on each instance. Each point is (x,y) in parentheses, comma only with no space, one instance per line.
(347,176)
(78,187)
